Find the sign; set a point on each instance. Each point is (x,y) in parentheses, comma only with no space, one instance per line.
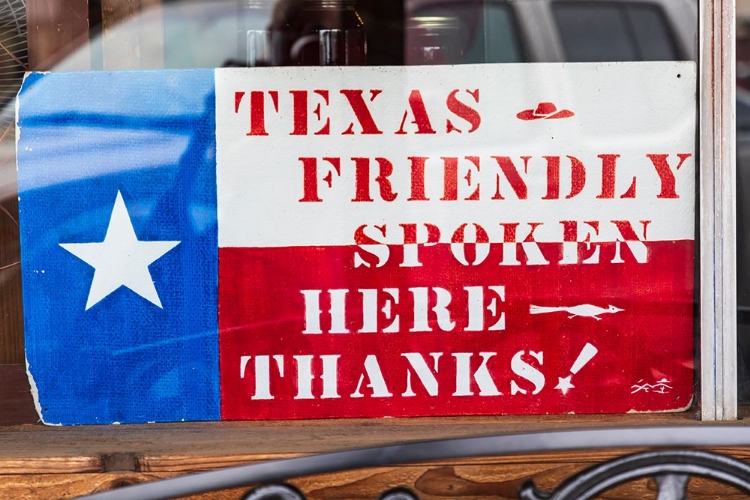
(290,243)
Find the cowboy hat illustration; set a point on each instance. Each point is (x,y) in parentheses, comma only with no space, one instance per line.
(545,111)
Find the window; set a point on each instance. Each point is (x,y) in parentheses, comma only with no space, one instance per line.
(370,34)
(614,31)
(478,32)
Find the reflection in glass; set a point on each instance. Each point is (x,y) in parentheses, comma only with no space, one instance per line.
(615,31)
(258,33)
(253,35)
(318,32)
(465,32)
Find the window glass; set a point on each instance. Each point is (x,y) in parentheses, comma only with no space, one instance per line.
(743,243)
(502,41)
(412,222)
(472,32)
(594,32)
(14,56)
(615,31)
(651,33)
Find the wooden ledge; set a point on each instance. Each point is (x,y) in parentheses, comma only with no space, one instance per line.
(38,462)
(32,449)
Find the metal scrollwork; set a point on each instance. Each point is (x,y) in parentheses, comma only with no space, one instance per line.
(398,494)
(274,492)
(671,470)
(286,492)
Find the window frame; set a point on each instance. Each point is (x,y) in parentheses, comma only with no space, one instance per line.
(717,209)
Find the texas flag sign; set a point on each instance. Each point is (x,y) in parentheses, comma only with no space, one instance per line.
(293,243)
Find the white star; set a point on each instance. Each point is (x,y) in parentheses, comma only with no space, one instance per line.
(121,259)
(564,384)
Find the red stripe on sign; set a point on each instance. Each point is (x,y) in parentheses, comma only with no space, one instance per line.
(306,334)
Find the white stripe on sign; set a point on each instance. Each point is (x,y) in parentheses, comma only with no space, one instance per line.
(321,156)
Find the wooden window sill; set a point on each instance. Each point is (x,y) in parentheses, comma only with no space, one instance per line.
(38,461)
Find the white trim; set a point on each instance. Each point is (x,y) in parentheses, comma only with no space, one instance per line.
(718,295)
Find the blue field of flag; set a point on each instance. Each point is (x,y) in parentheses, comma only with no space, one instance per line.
(120,172)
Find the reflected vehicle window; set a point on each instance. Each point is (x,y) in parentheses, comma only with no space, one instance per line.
(653,36)
(462,33)
(594,31)
(306,33)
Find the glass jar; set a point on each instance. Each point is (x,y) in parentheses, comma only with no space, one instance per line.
(318,33)
(433,40)
(253,34)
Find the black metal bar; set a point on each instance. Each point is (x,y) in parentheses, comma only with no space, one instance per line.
(537,442)
(671,469)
